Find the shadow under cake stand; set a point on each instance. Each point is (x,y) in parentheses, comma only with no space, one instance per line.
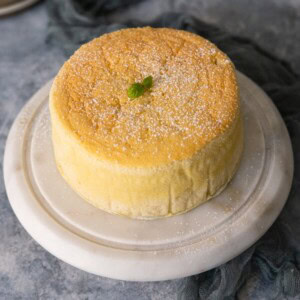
(148,250)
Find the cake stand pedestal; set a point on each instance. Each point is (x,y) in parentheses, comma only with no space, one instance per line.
(148,250)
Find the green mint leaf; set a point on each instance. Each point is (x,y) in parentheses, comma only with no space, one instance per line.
(148,82)
(138,89)
(135,90)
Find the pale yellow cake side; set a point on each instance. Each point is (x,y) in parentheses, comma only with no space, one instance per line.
(163,153)
(147,192)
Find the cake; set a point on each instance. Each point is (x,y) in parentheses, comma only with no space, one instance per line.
(160,154)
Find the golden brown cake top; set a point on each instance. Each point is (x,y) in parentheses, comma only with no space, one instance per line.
(194,96)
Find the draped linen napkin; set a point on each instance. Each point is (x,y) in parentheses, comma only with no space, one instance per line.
(270,269)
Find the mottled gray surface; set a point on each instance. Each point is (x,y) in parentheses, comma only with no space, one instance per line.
(26,63)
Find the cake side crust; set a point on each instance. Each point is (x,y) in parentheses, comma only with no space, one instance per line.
(153,191)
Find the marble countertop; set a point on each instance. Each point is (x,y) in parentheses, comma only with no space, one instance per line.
(27,271)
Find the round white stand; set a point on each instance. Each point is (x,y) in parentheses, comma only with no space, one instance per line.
(147,250)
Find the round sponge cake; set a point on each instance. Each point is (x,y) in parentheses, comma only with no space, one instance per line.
(157,155)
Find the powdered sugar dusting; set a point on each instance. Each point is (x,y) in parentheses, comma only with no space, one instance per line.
(193,98)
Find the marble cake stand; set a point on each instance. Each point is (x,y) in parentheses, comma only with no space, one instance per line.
(143,250)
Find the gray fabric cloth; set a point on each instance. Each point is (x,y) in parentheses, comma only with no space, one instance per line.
(270,269)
